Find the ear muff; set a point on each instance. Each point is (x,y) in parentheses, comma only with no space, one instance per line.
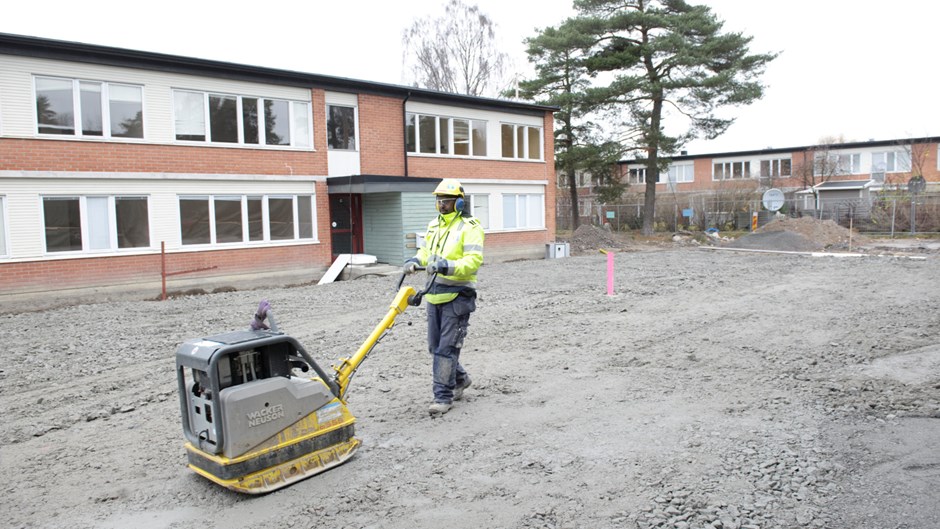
(458,206)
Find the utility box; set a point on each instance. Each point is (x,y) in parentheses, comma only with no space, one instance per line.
(555,250)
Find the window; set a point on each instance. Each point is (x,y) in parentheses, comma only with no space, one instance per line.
(680,173)
(3,227)
(73,107)
(95,223)
(775,168)
(637,175)
(480,209)
(225,219)
(235,119)
(427,134)
(890,162)
(826,164)
(523,211)
(341,128)
(731,170)
(521,141)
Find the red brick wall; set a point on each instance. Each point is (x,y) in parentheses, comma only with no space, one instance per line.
(110,271)
(80,156)
(381,136)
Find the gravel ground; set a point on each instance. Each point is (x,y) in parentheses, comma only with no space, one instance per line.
(715,389)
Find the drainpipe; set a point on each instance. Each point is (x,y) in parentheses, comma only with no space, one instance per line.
(404,121)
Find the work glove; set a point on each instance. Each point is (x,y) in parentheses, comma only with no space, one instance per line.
(442,266)
(257,323)
(410,267)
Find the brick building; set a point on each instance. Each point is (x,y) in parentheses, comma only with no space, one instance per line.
(813,178)
(117,165)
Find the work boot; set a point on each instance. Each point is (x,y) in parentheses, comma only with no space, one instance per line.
(458,391)
(439,408)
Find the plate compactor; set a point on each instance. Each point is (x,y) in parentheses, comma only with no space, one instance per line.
(252,424)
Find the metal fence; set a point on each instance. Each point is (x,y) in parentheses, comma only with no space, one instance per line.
(882,215)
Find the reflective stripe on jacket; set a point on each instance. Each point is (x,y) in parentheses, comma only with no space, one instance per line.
(459,240)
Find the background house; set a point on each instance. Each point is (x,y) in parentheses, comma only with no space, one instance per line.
(117,164)
(829,180)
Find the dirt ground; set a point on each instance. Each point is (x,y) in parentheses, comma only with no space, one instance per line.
(717,388)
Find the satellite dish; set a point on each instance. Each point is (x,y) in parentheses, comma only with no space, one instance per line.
(773,199)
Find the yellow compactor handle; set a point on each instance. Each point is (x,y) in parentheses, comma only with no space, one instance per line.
(347,366)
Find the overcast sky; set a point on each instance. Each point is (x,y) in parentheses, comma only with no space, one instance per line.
(863,69)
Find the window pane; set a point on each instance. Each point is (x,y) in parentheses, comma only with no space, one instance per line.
(784,167)
(223,119)
(461,137)
(133,222)
(534,210)
(55,112)
(228,219)
(250,120)
(509,211)
(190,116)
(410,133)
(99,236)
(127,111)
(427,129)
(341,128)
(194,220)
(255,219)
(765,168)
(481,209)
(535,144)
(507,138)
(444,142)
(90,96)
(276,122)
(62,218)
(305,217)
(520,142)
(301,130)
(281,215)
(479,138)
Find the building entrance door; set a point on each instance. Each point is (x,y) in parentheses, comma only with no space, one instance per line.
(346,223)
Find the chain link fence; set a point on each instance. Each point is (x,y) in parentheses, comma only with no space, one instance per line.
(882,215)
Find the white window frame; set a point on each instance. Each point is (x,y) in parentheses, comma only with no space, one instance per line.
(673,175)
(728,166)
(265,219)
(445,123)
(105,102)
(475,198)
(844,163)
(529,211)
(355,110)
(891,161)
(525,147)
(299,121)
(775,166)
(85,217)
(638,175)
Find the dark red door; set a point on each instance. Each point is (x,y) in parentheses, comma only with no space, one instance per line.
(346,223)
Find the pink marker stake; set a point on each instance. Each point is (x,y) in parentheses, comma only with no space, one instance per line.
(610,273)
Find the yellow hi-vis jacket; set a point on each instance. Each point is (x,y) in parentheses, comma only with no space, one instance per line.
(459,240)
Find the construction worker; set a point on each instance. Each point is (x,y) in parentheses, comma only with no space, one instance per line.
(453,250)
